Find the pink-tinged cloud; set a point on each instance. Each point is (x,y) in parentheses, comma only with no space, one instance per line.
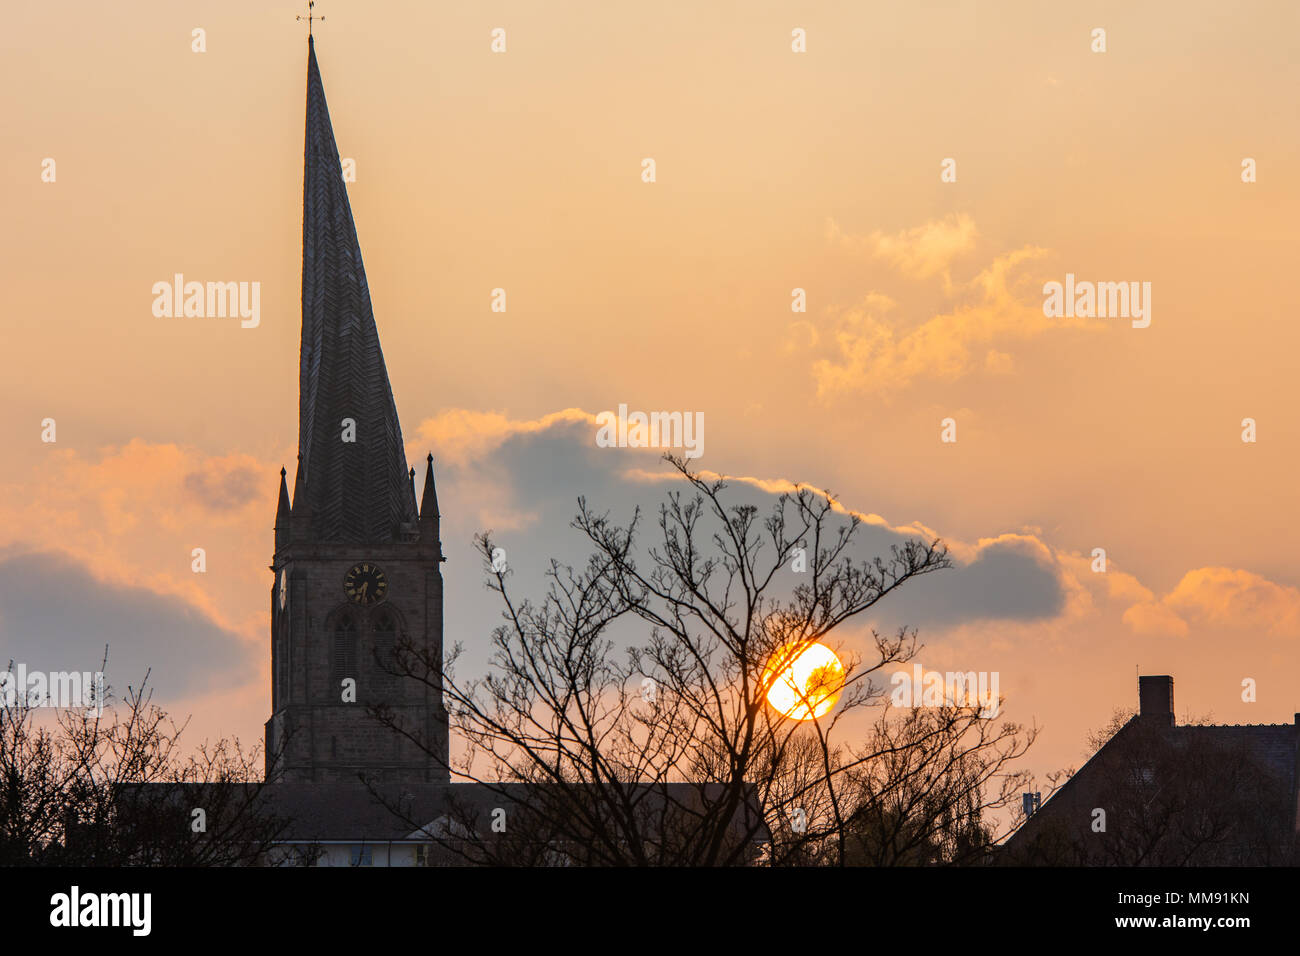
(872,348)
(1227,598)
(782,486)
(1242,598)
(462,435)
(133,515)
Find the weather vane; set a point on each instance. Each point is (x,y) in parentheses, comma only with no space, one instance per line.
(311,5)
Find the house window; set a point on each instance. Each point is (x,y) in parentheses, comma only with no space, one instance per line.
(361,856)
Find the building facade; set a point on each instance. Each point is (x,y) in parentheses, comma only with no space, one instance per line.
(357,565)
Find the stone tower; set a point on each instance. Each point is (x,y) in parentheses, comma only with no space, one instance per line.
(357,568)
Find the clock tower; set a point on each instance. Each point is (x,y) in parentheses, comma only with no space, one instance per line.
(357,566)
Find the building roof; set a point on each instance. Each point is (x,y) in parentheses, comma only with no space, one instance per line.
(350,812)
(1273,746)
(351,491)
(331,812)
(1180,768)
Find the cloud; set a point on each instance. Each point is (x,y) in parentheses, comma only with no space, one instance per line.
(1155,619)
(1013,577)
(228,486)
(505,473)
(784,486)
(131,516)
(461,435)
(870,352)
(872,347)
(919,253)
(57,616)
(1228,598)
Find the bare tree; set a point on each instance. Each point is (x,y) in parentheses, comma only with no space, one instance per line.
(110,786)
(669,752)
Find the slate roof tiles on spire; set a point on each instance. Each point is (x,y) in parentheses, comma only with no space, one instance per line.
(355,491)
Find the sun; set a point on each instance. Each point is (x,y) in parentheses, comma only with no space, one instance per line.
(808,682)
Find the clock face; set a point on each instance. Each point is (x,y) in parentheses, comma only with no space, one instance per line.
(366,584)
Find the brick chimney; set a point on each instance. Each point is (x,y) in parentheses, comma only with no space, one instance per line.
(1156,698)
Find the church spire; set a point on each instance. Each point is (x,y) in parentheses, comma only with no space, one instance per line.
(430,520)
(282,513)
(282,510)
(352,479)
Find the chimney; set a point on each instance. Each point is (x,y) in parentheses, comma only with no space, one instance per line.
(1156,698)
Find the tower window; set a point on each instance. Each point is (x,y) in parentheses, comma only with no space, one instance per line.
(345,651)
(385,643)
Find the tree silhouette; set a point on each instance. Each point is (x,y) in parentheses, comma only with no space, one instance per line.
(110,786)
(667,752)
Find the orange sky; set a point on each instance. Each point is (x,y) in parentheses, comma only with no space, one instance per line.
(775,170)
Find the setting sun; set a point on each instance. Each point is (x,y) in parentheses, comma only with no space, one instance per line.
(809,681)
